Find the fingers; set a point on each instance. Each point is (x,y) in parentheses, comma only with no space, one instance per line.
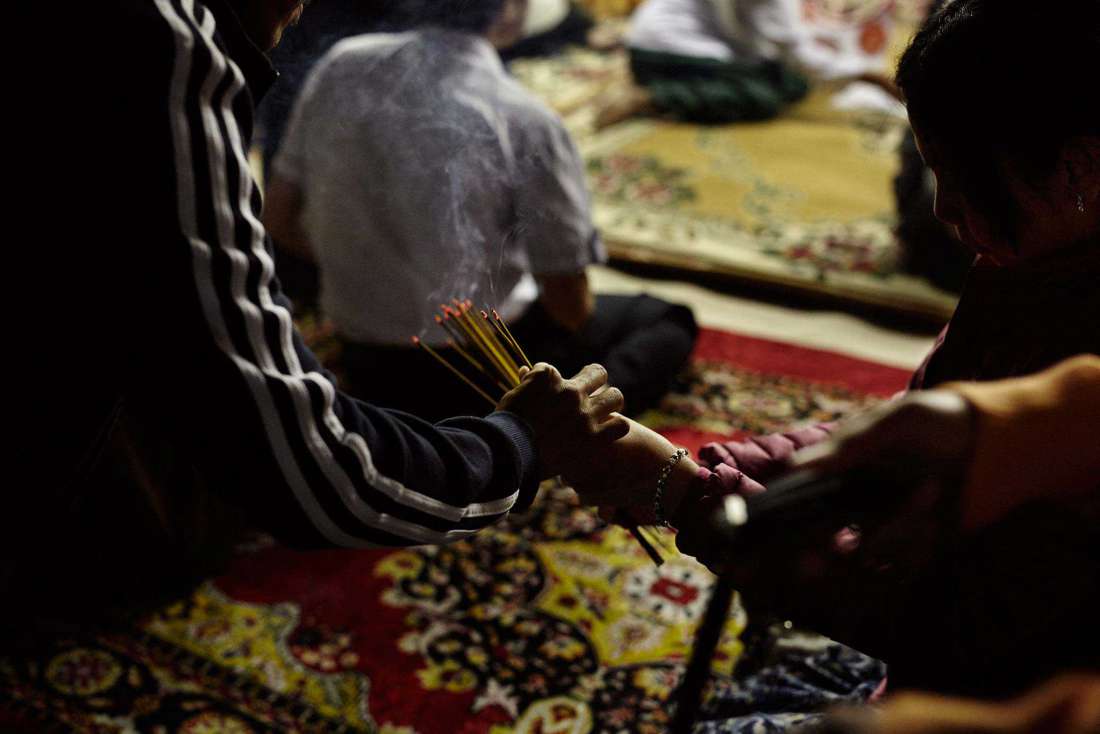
(541,372)
(589,379)
(605,402)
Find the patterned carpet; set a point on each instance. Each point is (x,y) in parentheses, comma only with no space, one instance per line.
(804,202)
(548,623)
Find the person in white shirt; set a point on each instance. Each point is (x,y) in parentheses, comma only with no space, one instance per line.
(717,61)
(415,170)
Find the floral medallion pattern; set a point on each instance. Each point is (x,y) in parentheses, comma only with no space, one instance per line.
(548,622)
(83,672)
(552,618)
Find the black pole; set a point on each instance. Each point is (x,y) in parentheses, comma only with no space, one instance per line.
(689,696)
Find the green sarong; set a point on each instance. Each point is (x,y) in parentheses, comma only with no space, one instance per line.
(711,91)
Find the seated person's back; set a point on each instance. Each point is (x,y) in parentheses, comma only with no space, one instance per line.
(430,175)
(427,173)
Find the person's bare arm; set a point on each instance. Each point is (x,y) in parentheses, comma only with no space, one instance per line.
(283,203)
(1068,704)
(567,299)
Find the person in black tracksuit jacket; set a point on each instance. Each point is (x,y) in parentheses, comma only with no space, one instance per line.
(174,379)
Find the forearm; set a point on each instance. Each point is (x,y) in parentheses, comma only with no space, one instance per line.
(318,468)
(1036,439)
(567,299)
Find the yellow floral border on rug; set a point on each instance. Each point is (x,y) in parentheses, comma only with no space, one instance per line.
(804,201)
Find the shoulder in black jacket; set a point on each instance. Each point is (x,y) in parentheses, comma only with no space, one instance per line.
(157,296)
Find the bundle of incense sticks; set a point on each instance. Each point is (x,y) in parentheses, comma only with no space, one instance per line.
(488,360)
(489,357)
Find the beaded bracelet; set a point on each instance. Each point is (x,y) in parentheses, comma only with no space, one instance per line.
(662,482)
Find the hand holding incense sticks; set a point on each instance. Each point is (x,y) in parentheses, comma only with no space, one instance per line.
(575,420)
(488,359)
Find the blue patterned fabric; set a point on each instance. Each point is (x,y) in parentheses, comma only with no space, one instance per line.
(805,675)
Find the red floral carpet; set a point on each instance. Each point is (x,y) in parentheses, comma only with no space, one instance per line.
(549,623)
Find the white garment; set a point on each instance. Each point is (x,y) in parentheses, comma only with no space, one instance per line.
(681,27)
(429,173)
(821,46)
(544,16)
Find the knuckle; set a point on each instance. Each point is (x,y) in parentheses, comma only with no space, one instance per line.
(615,397)
(547,380)
(597,370)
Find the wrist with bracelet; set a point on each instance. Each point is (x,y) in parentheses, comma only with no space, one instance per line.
(663,477)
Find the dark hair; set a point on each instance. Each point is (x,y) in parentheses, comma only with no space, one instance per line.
(994,81)
(460,15)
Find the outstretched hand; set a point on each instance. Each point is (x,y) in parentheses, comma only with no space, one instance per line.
(817,572)
(573,420)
